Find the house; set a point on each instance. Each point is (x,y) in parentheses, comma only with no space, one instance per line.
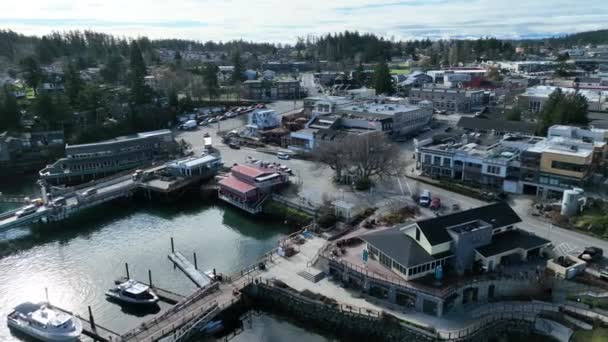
(482,238)
(264,119)
(271,90)
(268,75)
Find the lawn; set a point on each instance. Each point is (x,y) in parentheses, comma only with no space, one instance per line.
(595,335)
(400,71)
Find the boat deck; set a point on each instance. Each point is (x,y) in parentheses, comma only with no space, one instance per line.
(164,295)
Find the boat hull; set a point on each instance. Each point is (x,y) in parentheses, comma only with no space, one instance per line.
(29,330)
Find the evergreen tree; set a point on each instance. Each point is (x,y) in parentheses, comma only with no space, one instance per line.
(562,109)
(32,73)
(238,74)
(73,83)
(113,69)
(513,114)
(137,74)
(383,82)
(53,110)
(9,111)
(359,74)
(210,80)
(178,59)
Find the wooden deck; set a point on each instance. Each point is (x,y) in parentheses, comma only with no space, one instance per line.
(201,280)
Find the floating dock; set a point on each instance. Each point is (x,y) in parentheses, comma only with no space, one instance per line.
(166,296)
(201,280)
(94,331)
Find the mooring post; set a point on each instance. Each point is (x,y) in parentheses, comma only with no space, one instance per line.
(172,248)
(91,319)
(195,263)
(150,277)
(127,269)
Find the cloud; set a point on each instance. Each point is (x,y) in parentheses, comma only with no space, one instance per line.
(283,21)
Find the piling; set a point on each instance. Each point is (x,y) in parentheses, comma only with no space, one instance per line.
(150,277)
(172,246)
(91,319)
(127,269)
(195,263)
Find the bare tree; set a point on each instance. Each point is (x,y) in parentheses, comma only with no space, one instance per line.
(365,156)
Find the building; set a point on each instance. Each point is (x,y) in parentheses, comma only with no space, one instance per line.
(438,75)
(448,99)
(474,240)
(248,185)
(204,166)
(534,98)
(529,67)
(224,73)
(96,160)
(271,90)
(514,163)
(264,119)
(495,126)
(395,118)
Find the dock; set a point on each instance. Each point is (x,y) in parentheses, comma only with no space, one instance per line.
(201,280)
(94,331)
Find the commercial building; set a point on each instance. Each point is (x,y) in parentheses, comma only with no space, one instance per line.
(248,185)
(472,240)
(96,160)
(534,98)
(448,99)
(271,90)
(529,67)
(203,166)
(569,157)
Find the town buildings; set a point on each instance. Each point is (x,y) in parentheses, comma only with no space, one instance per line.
(534,98)
(448,99)
(28,151)
(568,157)
(96,160)
(284,89)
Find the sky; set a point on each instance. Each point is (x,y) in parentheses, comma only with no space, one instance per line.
(282,21)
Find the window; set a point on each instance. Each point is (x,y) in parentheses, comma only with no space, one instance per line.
(493,169)
(417,234)
(436,160)
(568,166)
(447,162)
(427,159)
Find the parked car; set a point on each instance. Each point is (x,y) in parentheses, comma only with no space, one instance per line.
(30,209)
(234,146)
(435,204)
(190,124)
(425,198)
(283,156)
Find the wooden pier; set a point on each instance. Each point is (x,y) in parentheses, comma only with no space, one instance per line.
(92,329)
(200,279)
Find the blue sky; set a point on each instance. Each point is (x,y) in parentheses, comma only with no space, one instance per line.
(284,20)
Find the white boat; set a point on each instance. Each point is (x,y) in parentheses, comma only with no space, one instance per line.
(130,291)
(44,323)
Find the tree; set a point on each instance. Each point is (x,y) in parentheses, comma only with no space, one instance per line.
(359,74)
(494,74)
(513,114)
(210,71)
(563,109)
(90,100)
(383,82)
(137,74)
(53,110)
(113,69)
(178,59)
(32,73)
(333,155)
(73,83)
(9,110)
(238,74)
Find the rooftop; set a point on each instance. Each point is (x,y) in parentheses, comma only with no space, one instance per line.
(252,170)
(236,185)
(481,124)
(497,214)
(386,109)
(400,247)
(194,161)
(510,240)
(545,91)
(135,136)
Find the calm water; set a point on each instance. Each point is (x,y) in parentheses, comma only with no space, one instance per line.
(77,261)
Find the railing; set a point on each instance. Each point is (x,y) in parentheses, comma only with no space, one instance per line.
(310,208)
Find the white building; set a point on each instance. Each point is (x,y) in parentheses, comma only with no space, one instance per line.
(264,119)
(535,97)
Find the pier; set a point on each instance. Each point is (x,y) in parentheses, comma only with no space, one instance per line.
(91,194)
(200,279)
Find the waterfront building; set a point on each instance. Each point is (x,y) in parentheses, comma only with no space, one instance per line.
(96,160)
(204,166)
(248,185)
(484,237)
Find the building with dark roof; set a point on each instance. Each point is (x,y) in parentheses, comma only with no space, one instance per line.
(484,236)
(497,126)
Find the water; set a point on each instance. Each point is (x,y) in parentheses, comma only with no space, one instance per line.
(78,261)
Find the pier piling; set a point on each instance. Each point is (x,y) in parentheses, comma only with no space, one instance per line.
(150,277)
(195,263)
(127,269)
(91,319)
(172,246)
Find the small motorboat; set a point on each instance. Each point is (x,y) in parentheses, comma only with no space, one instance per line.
(212,327)
(44,322)
(129,291)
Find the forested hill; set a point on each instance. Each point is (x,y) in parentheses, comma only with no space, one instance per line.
(583,38)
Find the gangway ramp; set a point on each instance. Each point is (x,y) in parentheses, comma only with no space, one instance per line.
(200,279)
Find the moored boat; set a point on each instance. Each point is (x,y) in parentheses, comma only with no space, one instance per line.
(44,322)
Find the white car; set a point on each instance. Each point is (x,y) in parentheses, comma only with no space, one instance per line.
(425,198)
(283,156)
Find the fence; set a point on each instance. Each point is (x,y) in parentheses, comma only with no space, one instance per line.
(305,206)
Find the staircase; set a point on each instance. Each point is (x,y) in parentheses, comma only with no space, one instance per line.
(312,274)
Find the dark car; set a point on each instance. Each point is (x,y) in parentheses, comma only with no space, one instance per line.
(234,146)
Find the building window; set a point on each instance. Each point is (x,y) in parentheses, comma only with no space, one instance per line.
(417,234)
(493,169)
(567,166)
(427,159)
(436,160)
(447,162)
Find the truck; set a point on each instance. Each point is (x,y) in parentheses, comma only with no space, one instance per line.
(188,125)
(27,210)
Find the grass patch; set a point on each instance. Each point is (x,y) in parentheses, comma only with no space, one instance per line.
(400,71)
(595,335)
